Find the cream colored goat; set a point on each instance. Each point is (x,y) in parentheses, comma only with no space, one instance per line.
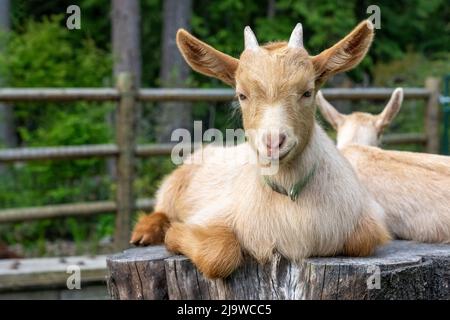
(360,127)
(413,188)
(214,211)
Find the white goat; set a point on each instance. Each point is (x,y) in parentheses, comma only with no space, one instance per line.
(313,206)
(413,188)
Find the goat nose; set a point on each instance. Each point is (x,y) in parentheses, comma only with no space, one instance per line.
(275,141)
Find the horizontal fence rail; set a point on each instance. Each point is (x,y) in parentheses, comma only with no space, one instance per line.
(125,95)
(185,95)
(67,210)
(53,153)
(53,94)
(79,152)
(373,93)
(404,138)
(111,94)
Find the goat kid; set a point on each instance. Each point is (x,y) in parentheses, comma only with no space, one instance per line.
(412,187)
(214,211)
(360,127)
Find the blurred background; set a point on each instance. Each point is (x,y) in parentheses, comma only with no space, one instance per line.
(38,50)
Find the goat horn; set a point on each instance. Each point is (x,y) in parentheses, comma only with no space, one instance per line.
(250,39)
(296,39)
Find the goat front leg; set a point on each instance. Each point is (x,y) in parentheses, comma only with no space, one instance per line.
(150,229)
(214,249)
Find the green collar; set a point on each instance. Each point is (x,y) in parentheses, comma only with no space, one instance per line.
(295,189)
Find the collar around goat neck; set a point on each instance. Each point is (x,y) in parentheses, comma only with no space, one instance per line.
(296,189)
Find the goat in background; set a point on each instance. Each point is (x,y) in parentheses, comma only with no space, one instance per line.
(413,188)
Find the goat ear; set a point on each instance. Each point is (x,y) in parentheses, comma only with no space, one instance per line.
(328,111)
(205,59)
(391,109)
(344,55)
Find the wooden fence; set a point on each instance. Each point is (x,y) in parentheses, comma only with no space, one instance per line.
(126,151)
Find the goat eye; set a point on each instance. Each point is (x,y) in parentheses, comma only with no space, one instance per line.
(307,94)
(242,96)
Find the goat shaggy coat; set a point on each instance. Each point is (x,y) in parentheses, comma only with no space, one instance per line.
(214,211)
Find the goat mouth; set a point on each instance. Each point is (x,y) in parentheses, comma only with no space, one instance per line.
(285,154)
(279,156)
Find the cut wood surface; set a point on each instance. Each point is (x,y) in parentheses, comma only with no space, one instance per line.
(399,270)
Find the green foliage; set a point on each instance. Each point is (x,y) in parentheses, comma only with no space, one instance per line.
(151,31)
(45,54)
(151,171)
(400,72)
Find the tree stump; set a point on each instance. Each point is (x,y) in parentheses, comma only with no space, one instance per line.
(399,270)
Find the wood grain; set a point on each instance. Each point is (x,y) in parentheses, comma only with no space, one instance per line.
(407,270)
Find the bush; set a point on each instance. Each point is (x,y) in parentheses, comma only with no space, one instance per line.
(43,54)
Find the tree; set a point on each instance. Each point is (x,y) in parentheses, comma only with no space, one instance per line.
(126,43)
(126,38)
(271,8)
(174,71)
(7,129)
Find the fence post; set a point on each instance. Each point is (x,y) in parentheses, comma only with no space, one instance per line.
(432,115)
(125,137)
